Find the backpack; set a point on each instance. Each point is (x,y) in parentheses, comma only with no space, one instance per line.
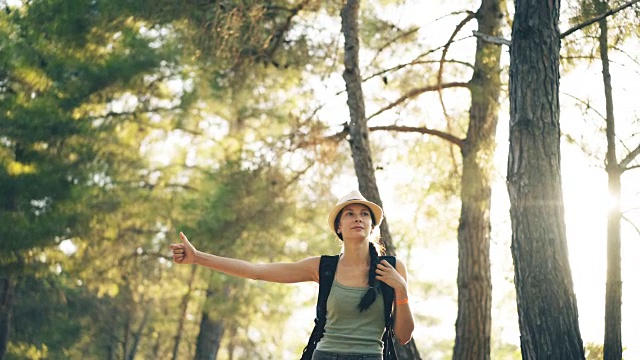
(327,271)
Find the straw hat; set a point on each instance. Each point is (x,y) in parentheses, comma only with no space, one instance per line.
(354,197)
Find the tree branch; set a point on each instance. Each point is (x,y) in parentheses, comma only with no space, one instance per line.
(598,18)
(470,16)
(629,158)
(587,104)
(503,41)
(492,39)
(392,41)
(631,223)
(415,92)
(339,136)
(416,62)
(421,130)
(278,36)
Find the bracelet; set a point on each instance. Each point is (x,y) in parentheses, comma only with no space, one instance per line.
(402,301)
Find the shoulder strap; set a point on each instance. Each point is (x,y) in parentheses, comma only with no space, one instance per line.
(387,292)
(326,273)
(388,295)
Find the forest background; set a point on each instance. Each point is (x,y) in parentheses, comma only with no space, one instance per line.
(124,122)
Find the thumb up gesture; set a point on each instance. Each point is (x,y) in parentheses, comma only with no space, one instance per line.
(183,253)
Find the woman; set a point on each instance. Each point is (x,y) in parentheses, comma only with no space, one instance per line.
(355,318)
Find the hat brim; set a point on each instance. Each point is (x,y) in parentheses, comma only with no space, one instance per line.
(377,211)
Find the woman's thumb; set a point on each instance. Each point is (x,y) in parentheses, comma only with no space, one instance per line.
(184,239)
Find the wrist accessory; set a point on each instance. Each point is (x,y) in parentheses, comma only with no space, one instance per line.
(402,301)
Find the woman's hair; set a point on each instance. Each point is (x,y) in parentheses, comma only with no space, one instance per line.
(370,296)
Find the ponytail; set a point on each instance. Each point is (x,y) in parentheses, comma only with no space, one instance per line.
(370,296)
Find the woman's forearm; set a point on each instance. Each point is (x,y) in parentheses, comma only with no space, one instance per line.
(228,266)
(404,325)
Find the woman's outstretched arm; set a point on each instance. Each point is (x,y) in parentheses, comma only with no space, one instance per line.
(303,270)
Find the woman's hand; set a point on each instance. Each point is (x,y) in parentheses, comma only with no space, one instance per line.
(183,253)
(390,276)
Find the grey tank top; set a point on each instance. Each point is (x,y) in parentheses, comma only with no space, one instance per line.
(348,330)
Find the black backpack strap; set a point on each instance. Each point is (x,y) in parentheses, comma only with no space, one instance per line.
(387,292)
(388,295)
(326,273)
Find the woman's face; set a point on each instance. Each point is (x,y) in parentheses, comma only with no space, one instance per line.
(355,221)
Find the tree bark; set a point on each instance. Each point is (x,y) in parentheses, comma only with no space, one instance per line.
(473,325)
(137,335)
(209,338)
(210,335)
(6,313)
(547,309)
(613,296)
(359,135)
(358,129)
(183,314)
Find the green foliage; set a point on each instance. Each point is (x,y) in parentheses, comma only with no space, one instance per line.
(506,351)
(55,318)
(622,27)
(62,79)
(594,351)
(242,212)
(380,33)
(48,139)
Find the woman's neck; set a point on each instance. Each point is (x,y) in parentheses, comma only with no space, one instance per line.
(356,253)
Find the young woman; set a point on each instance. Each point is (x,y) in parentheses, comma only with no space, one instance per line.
(355,319)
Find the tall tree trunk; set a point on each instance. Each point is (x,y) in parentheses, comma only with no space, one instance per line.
(137,335)
(231,346)
(210,335)
(125,337)
(183,314)
(111,351)
(209,338)
(547,309)
(473,325)
(358,129)
(6,312)
(613,297)
(155,351)
(359,134)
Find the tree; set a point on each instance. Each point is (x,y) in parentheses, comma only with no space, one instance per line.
(547,309)
(615,169)
(359,133)
(613,302)
(51,86)
(473,325)
(63,90)
(242,217)
(597,12)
